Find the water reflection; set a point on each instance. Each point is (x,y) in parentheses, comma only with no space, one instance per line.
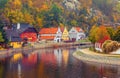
(16,57)
(101,71)
(1,71)
(54,63)
(58,55)
(29,60)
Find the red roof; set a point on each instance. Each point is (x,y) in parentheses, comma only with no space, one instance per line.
(47,37)
(78,29)
(48,31)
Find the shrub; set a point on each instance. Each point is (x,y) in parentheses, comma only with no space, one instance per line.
(110,46)
(104,45)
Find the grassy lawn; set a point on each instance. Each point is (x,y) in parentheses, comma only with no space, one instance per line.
(84,40)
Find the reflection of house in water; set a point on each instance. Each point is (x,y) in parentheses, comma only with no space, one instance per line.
(61,56)
(15,67)
(30,60)
(41,71)
(71,50)
(48,58)
(65,54)
(16,57)
(58,54)
(19,71)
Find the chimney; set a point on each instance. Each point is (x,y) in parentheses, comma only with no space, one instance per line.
(18,25)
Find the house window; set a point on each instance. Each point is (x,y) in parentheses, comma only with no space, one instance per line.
(73,31)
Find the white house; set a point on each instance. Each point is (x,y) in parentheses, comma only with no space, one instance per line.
(58,36)
(76,33)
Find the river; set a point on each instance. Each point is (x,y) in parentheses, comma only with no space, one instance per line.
(54,63)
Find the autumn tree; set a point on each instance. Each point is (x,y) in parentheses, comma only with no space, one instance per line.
(13,11)
(101,33)
(86,3)
(98,33)
(38,23)
(92,34)
(28,18)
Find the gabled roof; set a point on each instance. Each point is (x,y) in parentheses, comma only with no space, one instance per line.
(13,35)
(23,27)
(48,31)
(78,29)
(30,29)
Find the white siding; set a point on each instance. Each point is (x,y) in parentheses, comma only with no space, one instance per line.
(80,35)
(73,33)
(58,36)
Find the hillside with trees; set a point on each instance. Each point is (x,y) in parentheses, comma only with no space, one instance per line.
(49,13)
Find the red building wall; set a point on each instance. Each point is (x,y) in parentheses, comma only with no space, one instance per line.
(31,36)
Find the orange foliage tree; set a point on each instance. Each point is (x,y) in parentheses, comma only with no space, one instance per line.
(102,33)
(98,33)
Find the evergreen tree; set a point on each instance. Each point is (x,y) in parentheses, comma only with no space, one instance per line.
(3,38)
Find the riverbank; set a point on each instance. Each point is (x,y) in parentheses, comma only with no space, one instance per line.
(36,46)
(87,55)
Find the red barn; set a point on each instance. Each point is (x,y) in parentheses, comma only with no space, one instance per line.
(30,34)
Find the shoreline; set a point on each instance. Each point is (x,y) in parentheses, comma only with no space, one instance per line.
(36,46)
(89,56)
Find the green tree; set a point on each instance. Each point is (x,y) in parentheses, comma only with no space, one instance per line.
(93,33)
(3,38)
(2,3)
(111,32)
(52,17)
(73,23)
(117,35)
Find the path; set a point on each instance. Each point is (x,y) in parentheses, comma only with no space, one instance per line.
(87,55)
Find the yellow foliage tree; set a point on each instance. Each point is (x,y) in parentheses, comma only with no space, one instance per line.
(93,33)
(17,4)
(44,7)
(61,25)
(39,22)
(30,3)
(13,11)
(28,18)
